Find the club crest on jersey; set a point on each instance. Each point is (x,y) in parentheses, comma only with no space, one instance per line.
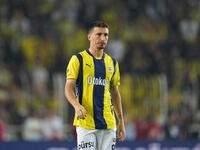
(97,81)
(110,69)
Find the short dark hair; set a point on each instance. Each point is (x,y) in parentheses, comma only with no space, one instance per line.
(100,24)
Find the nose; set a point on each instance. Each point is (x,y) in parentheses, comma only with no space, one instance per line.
(103,37)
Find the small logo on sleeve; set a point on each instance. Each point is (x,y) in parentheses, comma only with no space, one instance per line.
(110,69)
(68,73)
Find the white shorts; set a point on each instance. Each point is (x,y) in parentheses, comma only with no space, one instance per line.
(98,139)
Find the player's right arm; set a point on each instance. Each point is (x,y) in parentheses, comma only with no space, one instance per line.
(72,75)
(70,95)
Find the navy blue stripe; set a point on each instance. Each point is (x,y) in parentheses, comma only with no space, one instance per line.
(98,94)
(79,81)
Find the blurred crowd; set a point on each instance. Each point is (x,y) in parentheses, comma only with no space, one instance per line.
(147,37)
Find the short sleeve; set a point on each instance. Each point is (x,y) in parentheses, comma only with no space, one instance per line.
(116,77)
(73,68)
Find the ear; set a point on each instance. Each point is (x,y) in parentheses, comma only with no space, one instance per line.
(89,36)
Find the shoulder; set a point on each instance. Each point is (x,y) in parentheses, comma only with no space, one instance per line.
(81,54)
(78,56)
(111,59)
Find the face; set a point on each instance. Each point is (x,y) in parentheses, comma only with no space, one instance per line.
(98,37)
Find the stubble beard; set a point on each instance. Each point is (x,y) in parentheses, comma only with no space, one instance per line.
(101,46)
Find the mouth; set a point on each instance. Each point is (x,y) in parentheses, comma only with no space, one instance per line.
(102,43)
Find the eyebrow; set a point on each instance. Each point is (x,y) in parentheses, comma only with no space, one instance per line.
(102,33)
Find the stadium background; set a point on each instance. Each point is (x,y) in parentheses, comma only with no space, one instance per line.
(155,41)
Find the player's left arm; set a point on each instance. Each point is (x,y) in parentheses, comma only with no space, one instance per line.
(121,133)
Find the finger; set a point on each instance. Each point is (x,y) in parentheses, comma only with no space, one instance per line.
(122,138)
(81,117)
(84,115)
(118,135)
(84,112)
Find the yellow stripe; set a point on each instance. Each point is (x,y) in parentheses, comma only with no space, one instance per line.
(87,100)
(109,117)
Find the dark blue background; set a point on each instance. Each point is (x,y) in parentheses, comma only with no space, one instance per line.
(128,145)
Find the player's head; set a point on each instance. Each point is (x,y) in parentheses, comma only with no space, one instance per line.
(98,32)
(99,24)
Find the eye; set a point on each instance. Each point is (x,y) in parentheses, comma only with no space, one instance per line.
(98,34)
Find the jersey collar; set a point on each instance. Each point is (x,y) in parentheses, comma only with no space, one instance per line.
(93,56)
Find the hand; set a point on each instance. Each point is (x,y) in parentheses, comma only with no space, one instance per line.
(81,112)
(121,133)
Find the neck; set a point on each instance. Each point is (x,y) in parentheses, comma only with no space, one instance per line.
(96,52)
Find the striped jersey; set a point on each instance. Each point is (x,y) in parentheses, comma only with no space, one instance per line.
(94,77)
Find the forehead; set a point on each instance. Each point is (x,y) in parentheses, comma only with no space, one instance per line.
(100,30)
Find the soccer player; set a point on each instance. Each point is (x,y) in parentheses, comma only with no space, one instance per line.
(95,76)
